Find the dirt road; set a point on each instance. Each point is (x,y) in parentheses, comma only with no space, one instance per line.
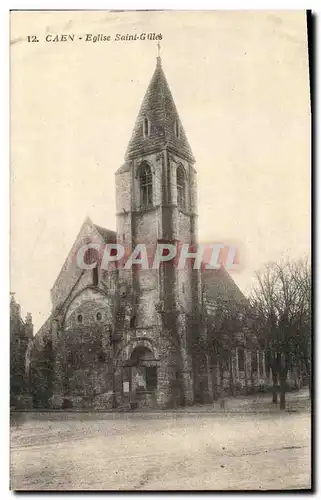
(161,452)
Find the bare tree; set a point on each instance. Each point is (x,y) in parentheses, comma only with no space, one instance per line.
(302,276)
(227,331)
(280,299)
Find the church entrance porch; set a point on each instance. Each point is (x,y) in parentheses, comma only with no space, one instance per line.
(140,379)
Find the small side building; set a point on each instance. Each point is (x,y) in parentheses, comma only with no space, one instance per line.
(21,339)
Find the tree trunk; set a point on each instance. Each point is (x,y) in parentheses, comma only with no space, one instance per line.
(232,385)
(275,388)
(308,369)
(282,391)
(221,379)
(309,379)
(215,380)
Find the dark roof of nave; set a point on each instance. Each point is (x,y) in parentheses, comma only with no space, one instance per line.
(159,108)
(108,235)
(219,285)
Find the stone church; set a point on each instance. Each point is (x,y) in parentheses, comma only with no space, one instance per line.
(131,337)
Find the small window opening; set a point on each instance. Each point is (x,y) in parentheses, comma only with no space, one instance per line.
(79,318)
(98,316)
(95,276)
(146,127)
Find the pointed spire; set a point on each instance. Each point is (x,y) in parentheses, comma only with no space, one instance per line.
(29,326)
(15,308)
(28,318)
(158,124)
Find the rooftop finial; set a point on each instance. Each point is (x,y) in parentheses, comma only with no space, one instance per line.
(158,59)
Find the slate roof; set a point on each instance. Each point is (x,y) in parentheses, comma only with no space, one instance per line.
(220,286)
(108,235)
(159,107)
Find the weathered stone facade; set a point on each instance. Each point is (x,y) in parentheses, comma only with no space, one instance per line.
(21,334)
(131,336)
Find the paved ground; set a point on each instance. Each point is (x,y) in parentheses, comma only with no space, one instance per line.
(205,450)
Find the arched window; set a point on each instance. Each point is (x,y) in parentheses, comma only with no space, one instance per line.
(79,318)
(95,276)
(145,185)
(98,316)
(146,127)
(181,187)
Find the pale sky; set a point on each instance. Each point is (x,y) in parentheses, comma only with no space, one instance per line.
(241,86)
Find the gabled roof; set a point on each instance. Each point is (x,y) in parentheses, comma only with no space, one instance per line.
(159,108)
(107,236)
(70,272)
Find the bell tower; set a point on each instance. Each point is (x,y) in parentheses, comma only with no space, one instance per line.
(156,200)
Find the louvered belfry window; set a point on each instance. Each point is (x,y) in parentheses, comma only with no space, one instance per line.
(146,185)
